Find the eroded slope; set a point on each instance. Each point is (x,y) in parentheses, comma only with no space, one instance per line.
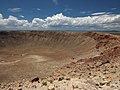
(24,54)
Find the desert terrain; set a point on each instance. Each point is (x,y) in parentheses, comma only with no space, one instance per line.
(59,60)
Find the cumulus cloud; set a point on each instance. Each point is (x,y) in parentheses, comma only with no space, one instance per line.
(14,9)
(55,2)
(13,23)
(100,21)
(60,21)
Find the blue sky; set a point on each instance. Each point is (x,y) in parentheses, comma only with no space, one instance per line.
(59,14)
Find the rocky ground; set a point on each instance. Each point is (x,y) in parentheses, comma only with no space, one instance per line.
(101,72)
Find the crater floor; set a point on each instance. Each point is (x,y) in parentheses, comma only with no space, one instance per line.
(24,54)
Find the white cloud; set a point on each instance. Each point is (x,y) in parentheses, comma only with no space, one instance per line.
(37,23)
(100,13)
(12,18)
(59,21)
(1,16)
(67,9)
(55,2)
(21,16)
(113,8)
(14,9)
(38,9)
(83,12)
(13,23)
